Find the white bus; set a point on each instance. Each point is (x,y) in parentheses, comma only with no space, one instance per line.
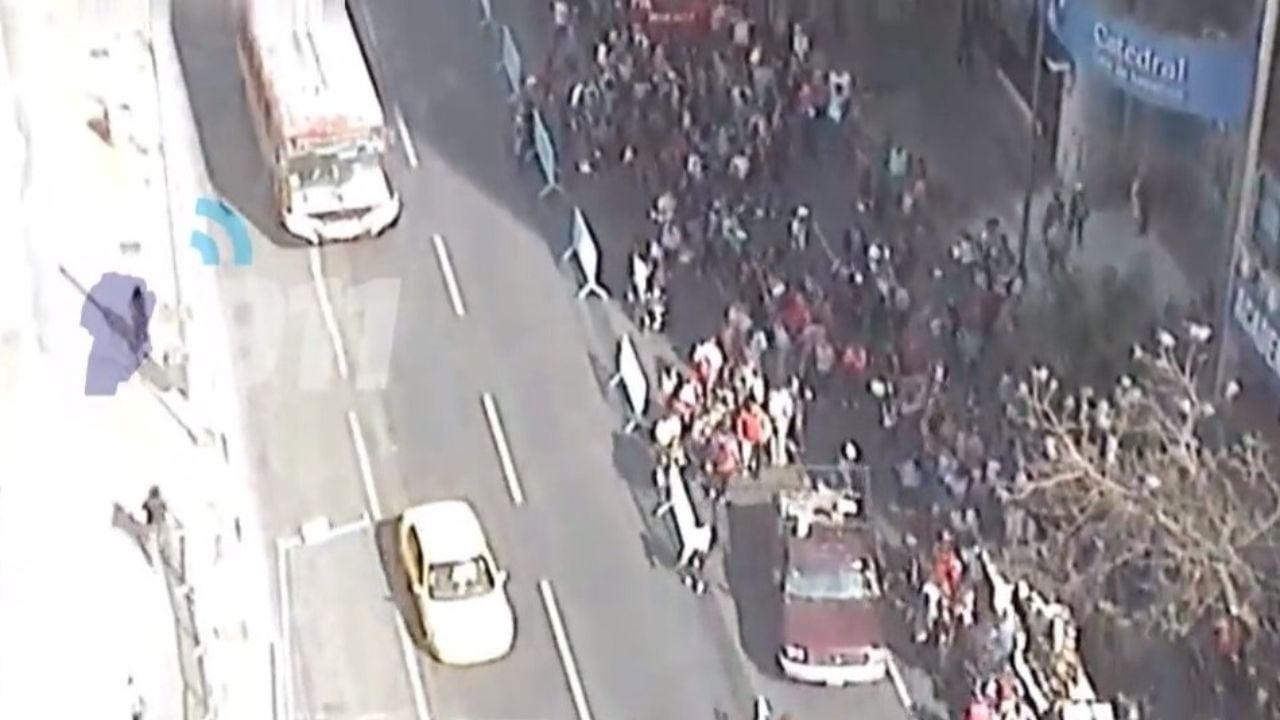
(318,118)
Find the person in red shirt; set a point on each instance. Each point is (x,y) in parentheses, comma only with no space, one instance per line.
(725,462)
(753,432)
(948,571)
(795,314)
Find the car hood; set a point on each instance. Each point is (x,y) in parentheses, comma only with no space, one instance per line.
(829,626)
(473,630)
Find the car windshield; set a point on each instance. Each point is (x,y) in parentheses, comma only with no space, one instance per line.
(856,581)
(331,170)
(460,580)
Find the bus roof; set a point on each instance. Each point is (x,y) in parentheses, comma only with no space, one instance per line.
(315,70)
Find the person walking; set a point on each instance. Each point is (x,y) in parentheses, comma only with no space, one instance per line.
(1077,213)
(1140,201)
(137,703)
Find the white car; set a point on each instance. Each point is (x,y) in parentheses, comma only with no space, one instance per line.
(461,593)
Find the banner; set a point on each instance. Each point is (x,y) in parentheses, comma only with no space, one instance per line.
(583,246)
(631,377)
(546,153)
(512,65)
(693,536)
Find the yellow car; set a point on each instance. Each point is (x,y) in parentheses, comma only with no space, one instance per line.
(460,591)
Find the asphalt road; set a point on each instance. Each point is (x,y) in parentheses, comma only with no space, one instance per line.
(495,393)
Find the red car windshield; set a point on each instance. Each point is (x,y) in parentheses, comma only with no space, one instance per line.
(855,582)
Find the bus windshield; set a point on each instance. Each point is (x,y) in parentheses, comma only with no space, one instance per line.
(331,169)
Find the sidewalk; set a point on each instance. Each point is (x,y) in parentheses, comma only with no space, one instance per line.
(1111,243)
(80,609)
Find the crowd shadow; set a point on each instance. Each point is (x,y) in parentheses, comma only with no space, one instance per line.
(634,464)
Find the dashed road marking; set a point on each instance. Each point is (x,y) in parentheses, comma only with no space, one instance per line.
(504,450)
(366,465)
(410,152)
(414,668)
(561,638)
(450,279)
(316,263)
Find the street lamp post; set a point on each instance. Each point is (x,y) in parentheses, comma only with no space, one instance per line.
(1032,165)
(1247,182)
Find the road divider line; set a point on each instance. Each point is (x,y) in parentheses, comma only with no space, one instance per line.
(318,282)
(450,279)
(414,669)
(504,450)
(284,681)
(561,638)
(366,466)
(410,153)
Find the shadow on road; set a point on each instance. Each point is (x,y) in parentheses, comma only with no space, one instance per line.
(632,461)
(384,534)
(205,36)
(754,554)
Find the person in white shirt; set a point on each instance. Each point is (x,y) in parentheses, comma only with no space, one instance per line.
(782,409)
(561,14)
(800,45)
(709,360)
(839,91)
(667,434)
(562,33)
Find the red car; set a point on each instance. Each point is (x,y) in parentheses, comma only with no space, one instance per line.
(832,600)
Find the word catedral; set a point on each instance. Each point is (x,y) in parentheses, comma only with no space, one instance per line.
(284,331)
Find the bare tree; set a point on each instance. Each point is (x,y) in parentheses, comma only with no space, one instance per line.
(1143,509)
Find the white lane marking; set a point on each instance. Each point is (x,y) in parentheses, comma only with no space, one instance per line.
(450,279)
(562,647)
(326,311)
(410,153)
(285,681)
(504,450)
(366,466)
(900,685)
(414,669)
(337,531)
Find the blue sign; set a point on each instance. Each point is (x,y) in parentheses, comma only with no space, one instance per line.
(1208,78)
(1261,326)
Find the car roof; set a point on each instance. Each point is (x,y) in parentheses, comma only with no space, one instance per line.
(449,530)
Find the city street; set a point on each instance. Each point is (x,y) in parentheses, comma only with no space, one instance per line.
(493,396)
(496,382)
(496,394)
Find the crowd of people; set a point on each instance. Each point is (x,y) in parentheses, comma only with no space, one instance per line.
(891,318)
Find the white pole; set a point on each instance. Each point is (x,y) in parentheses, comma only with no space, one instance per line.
(1247,203)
